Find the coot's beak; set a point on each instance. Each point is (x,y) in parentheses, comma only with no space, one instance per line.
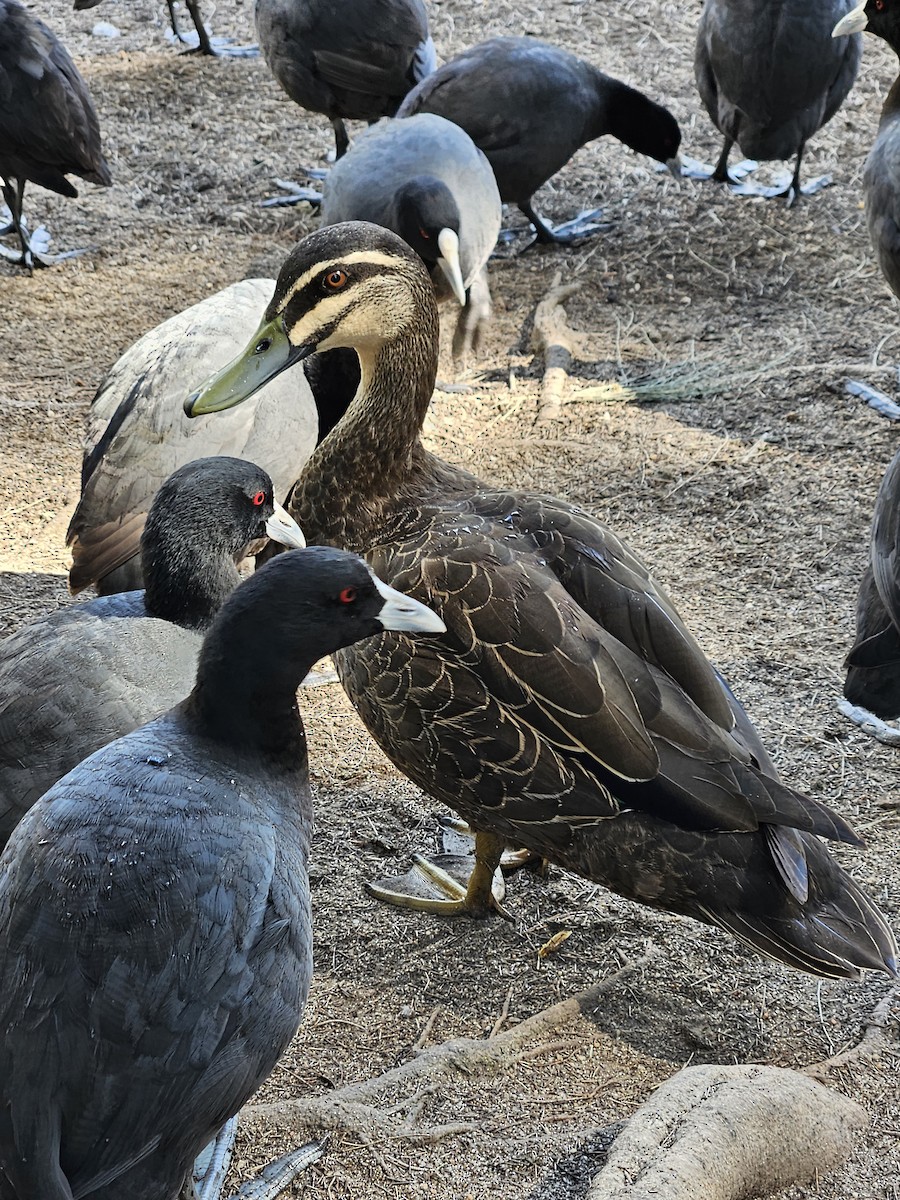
(403,614)
(854,22)
(268,354)
(282,528)
(448,244)
(674,165)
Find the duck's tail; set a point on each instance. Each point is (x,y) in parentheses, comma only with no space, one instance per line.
(837,931)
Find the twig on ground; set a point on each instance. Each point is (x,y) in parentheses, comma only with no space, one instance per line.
(683,1142)
(873,1041)
(552,337)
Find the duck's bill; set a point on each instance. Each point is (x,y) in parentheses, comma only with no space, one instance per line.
(268,354)
(854,22)
(448,244)
(402,614)
(282,528)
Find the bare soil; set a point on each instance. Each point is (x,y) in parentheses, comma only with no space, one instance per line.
(740,470)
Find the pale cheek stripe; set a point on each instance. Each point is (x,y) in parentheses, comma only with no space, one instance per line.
(377,257)
(327,310)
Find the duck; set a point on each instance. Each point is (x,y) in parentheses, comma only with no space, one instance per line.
(424,178)
(567,708)
(74,679)
(49,129)
(355,60)
(136,434)
(155,929)
(872,681)
(530,105)
(770,76)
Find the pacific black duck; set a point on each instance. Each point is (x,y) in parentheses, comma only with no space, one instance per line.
(155,940)
(137,434)
(529,106)
(48,126)
(73,680)
(425,178)
(567,708)
(770,75)
(355,60)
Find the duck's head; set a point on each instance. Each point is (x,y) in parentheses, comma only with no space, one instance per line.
(881,17)
(353,284)
(428,219)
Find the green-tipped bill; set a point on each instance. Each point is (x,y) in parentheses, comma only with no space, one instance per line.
(448,244)
(854,22)
(405,615)
(282,528)
(268,354)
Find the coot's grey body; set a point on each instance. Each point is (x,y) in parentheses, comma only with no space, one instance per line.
(76,678)
(48,123)
(155,944)
(529,106)
(881,182)
(137,434)
(770,74)
(353,60)
(873,665)
(366,183)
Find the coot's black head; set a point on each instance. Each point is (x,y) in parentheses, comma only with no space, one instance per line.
(428,219)
(645,126)
(881,17)
(214,505)
(207,514)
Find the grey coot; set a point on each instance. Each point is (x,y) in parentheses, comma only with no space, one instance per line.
(155,941)
(137,434)
(770,75)
(872,683)
(529,106)
(567,709)
(425,178)
(75,679)
(48,124)
(356,59)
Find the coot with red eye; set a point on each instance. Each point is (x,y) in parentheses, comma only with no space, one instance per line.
(88,673)
(424,178)
(136,433)
(770,75)
(355,60)
(155,940)
(48,124)
(529,106)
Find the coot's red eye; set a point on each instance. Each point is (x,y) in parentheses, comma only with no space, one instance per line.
(259,498)
(423,233)
(348,595)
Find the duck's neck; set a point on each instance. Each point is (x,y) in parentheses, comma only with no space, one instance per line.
(246,693)
(373,459)
(186,578)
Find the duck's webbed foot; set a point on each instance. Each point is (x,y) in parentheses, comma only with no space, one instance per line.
(886,732)
(450,884)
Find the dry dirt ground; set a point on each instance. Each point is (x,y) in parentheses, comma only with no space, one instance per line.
(740,469)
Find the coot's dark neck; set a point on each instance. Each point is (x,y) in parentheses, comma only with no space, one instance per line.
(186,578)
(246,690)
(618,110)
(891,108)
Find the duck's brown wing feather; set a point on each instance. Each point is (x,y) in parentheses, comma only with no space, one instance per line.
(529,674)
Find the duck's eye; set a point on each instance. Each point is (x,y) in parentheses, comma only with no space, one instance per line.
(347,595)
(262,345)
(335,279)
(259,498)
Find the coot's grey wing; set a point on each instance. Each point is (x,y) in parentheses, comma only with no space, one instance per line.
(886,542)
(159,1033)
(881,181)
(75,680)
